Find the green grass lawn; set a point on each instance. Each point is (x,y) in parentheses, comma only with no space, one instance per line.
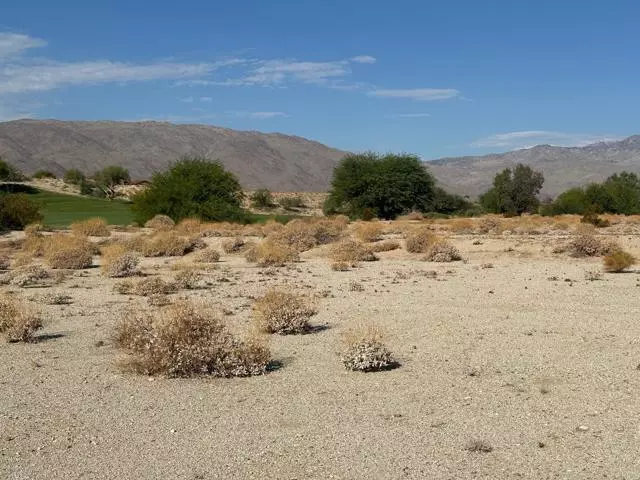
(61,210)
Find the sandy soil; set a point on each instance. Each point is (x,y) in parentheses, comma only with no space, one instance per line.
(528,356)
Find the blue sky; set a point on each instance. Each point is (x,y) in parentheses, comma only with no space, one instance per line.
(432,78)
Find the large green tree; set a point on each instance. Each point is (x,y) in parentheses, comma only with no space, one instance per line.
(192,187)
(383,185)
(514,192)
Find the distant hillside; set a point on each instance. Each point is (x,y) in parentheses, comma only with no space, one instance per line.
(562,167)
(275,161)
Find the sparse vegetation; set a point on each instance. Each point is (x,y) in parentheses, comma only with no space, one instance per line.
(369,231)
(165,244)
(93,227)
(590,246)
(385,246)
(160,222)
(118,261)
(365,351)
(17,320)
(420,240)
(262,199)
(17,211)
(282,312)
(268,253)
(351,252)
(145,286)
(443,251)
(69,252)
(618,261)
(43,174)
(73,176)
(208,255)
(185,339)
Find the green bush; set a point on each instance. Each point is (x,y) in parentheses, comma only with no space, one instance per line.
(390,185)
(43,174)
(9,173)
(291,203)
(17,211)
(110,177)
(514,192)
(73,176)
(262,199)
(191,188)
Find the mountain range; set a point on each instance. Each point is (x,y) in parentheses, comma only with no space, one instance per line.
(276,161)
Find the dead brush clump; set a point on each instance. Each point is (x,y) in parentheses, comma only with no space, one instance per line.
(368,231)
(188,279)
(17,320)
(420,240)
(28,276)
(160,222)
(165,244)
(68,252)
(618,261)
(118,261)
(283,312)
(271,227)
(186,339)
(385,246)
(5,262)
(267,253)
(207,255)
(365,351)
(221,229)
(303,235)
(461,225)
(234,246)
(590,246)
(443,251)
(92,227)
(189,227)
(145,287)
(351,252)
(158,300)
(489,225)
(341,266)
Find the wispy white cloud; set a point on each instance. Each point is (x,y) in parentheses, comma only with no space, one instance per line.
(206,99)
(530,138)
(259,115)
(186,99)
(419,94)
(363,59)
(15,43)
(408,115)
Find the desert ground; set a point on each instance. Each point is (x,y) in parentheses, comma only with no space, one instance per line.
(519,361)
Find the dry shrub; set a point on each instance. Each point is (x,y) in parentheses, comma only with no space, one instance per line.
(29,276)
(271,227)
(166,244)
(461,225)
(270,254)
(489,225)
(385,246)
(56,299)
(33,229)
(145,287)
(208,255)
(303,235)
(34,245)
(118,261)
(92,227)
(70,252)
(443,251)
(234,246)
(618,261)
(282,312)
(221,229)
(17,321)
(590,246)
(158,300)
(188,279)
(22,259)
(365,351)
(185,340)
(160,222)
(352,252)
(412,216)
(340,266)
(420,240)
(5,262)
(368,231)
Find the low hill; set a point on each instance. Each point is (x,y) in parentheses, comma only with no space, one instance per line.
(261,160)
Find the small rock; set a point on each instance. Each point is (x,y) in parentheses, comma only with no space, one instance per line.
(583,428)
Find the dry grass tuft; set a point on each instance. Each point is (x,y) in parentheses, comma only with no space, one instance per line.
(92,227)
(341,266)
(282,312)
(443,251)
(145,287)
(385,246)
(303,235)
(478,446)
(118,261)
(368,231)
(158,300)
(590,246)
(234,246)
(420,240)
(160,222)
(189,226)
(365,351)
(270,254)
(17,321)
(28,276)
(165,244)
(618,261)
(352,252)
(489,225)
(188,279)
(5,262)
(185,340)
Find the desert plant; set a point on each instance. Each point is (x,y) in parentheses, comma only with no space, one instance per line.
(352,252)
(118,261)
(28,276)
(73,176)
(270,254)
(17,211)
(185,339)
(443,251)
(618,261)
(5,262)
(145,287)
(43,174)
(107,179)
(282,312)
(160,222)
(365,351)
(262,198)
(340,266)
(92,227)
(385,246)
(291,203)
(595,220)
(188,279)
(590,246)
(17,321)
(207,255)
(166,244)
(233,246)
(9,173)
(420,240)
(70,252)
